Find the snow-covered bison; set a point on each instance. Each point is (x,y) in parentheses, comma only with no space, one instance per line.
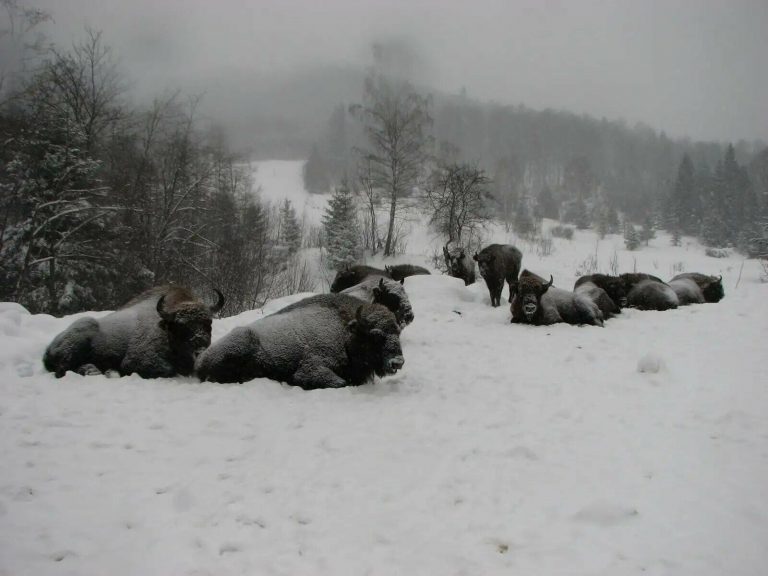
(695,288)
(388,293)
(613,286)
(459,265)
(497,263)
(400,272)
(324,341)
(354,275)
(538,302)
(646,292)
(157,334)
(607,306)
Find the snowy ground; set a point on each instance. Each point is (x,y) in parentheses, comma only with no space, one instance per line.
(638,448)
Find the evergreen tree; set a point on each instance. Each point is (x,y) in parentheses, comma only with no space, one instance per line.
(576,213)
(684,204)
(342,238)
(523,222)
(648,231)
(631,237)
(290,229)
(546,204)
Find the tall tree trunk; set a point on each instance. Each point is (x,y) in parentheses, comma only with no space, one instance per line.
(390,232)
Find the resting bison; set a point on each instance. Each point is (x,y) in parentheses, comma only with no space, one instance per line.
(599,296)
(537,302)
(499,262)
(158,334)
(324,341)
(400,272)
(651,294)
(354,275)
(613,286)
(695,288)
(388,293)
(459,264)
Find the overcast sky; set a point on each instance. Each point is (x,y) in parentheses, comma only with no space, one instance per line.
(689,67)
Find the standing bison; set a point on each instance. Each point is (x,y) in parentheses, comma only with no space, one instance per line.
(497,263)
(158,334)
(695,288)
(388,293)
(400,272)
(537,302)
(354,275)
(459,265)
(324,341)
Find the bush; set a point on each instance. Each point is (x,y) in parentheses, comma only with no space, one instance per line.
(717,253)
(560,231)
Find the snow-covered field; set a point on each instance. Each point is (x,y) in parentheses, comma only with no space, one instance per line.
(637,448)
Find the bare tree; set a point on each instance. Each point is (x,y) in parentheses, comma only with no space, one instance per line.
(396,121)
(457,196)
(20,41)
(370,196)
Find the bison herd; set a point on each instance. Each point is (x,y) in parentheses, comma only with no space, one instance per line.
(345,337)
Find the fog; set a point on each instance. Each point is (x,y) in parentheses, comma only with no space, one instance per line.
(691,68)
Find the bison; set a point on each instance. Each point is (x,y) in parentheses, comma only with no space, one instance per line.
(324,341)
(651,294)
(537,302)
(157,334)
(354,275)
(497,263)
(613,286)
(400,272)
(459,265)
(692,287)
(599,296)
(386,292)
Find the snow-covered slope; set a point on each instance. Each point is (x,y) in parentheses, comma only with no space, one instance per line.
(640,447)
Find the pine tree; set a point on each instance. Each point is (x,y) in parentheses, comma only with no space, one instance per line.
(684,205)
(342,238)
(546,204)
(290,229)
(523,222)
(631,237)
(648,231)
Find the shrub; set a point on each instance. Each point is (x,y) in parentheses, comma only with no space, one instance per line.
(560,231)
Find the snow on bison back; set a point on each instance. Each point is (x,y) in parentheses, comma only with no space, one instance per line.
(325,341)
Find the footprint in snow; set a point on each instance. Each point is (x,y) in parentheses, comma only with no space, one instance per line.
(605,514)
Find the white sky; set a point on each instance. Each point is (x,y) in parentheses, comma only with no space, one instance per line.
(689,67)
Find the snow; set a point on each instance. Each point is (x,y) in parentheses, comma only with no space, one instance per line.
(640,447)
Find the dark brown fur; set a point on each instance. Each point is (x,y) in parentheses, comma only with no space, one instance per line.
(354,275)
(497,263)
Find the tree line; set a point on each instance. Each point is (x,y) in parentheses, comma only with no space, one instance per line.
(529,165)
(101,200)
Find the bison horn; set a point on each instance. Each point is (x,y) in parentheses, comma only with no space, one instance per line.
(161,308)
(551,280)
(219,303)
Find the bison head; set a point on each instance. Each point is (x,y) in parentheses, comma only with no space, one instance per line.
(459,264)
(392,296)
(713,290)
(343,279)
(483,262)
(188,324)
(376,337)
(528,292)
(616,290)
